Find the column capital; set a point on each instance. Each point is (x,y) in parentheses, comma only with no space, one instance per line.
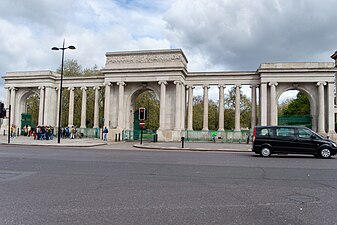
(121,83)
(41,88)
(96,87)
(190,86)
(71,88)
(205,86)
(221,86)
(162,82)
(273,84)
(321,83)
(106,83)
(254,86)
(177,82)
(238,85)
(84,88)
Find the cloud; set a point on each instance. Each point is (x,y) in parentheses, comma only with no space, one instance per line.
(215,35)
(239,35)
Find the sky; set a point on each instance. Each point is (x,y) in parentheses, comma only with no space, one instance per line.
(217,35)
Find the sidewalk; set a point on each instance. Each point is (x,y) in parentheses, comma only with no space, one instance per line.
(79,142)
(93,142)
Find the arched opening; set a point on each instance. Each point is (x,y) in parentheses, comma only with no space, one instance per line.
(32,108)
(294,108)
(148,99)
(28,111)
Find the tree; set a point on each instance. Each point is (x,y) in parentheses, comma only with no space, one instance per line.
(298,106)
(229,112)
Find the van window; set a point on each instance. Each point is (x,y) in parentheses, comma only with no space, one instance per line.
(285,132)
(263,132)
(304,133)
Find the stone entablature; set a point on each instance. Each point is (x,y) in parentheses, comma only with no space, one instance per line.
(168,59)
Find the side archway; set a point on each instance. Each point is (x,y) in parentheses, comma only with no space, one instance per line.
(310,91)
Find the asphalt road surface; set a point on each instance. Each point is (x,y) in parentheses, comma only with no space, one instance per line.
(47,185)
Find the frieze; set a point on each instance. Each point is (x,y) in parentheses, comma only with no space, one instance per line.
(144,58)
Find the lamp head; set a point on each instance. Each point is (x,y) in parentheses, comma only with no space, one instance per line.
(71,47)
(55,48)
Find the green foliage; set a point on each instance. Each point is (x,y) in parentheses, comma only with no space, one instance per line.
(298,106)
(245,110)
(33,108)
(229,112)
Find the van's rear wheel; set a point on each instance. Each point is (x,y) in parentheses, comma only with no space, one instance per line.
(265,152)
(325,153)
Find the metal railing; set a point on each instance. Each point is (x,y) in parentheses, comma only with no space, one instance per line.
(228,136)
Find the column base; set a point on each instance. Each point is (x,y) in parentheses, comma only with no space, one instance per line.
(169,135)
(332,135)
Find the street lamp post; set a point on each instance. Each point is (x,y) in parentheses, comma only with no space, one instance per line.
(60,96)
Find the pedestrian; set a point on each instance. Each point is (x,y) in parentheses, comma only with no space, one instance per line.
(105,134)
(72,132)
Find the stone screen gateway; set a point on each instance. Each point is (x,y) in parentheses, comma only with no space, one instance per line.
(129,73)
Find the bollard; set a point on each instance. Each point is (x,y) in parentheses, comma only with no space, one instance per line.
(119,136)
(116,137)
(4,132)
(182,142)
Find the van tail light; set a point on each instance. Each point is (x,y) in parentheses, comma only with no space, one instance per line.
(254,134)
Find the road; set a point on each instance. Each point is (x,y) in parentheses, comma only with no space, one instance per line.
(47,185)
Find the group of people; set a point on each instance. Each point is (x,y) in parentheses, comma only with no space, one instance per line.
(44,133)
(71,133)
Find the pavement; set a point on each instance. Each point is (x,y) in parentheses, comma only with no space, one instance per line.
(93,142)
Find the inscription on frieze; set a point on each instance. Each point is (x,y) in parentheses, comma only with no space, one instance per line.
(143,58)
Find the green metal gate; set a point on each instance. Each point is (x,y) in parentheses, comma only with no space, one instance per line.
(295,120)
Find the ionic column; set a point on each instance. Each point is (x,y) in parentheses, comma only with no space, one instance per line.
(253,116)
(41,106)
(107,104)
(190,108)
(120,124)
(205,120)
(331,108)
(263,104)
(237,108)
(178,105)
(57,106)
(183,107)
(7,97)
(49,109)
(71,107)
(13,106)
(7,100)
(162,104)
(96,110)
(221,107)
(273,105)
(321,105)
(84,107)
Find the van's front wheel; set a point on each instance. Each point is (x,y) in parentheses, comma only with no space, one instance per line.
(265,152)
(325,153)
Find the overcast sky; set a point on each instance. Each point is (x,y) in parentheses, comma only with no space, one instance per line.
(215,35)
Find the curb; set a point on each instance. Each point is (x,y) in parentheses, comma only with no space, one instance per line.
(189,149)
(54,145)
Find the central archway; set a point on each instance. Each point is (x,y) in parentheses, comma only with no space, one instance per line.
(143,97)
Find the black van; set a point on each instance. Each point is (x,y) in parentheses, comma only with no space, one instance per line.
(268,140)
